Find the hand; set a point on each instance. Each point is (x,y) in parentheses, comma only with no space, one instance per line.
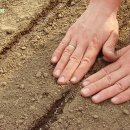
(111,82)
(77,52)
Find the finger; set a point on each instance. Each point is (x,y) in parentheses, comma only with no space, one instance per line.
(64,59)
(112,91)
(103,83)
(109,46)
(86,63)
(119,53)
(103,72)
(72,65)
(122,97)
(58,52)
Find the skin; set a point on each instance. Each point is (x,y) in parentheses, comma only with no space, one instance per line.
(112,81)
(97,28)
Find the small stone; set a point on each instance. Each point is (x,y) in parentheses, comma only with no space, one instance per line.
(33,99)
(40,129)
(95,116)
(60,15)
(3,83)
(125,111)
(1,116)
(23,48)
(1,71)
(22,86)
(38,37)
(72,3)
(21,121)
(32,107)
(39,74)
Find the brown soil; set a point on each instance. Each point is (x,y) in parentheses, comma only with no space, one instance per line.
(30,98)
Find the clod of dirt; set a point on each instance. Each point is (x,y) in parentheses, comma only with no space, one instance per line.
(23,57)
(3,84)
(39,74)
(19,122)
(126,112)
(95,116)
(1,71)
(38,37)
(1,116)
(22,86)
(8,29)
(45,75)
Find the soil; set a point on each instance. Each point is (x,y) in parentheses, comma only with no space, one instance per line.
(30,98)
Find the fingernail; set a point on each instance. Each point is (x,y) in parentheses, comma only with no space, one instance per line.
(85,92)
(57,73)
(74,79)
(115,100)
(86,83)
(96,98)
(61,79)
(54,59)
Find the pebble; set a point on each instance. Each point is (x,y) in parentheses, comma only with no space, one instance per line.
(33,99)
(125,111)
(38,37)
(1,71)
(45,75)
(39,74)
(40,129)
(60,15)
(95,116)
(1,116)
(23,48)
(3,83)
(22,86)
(20,121)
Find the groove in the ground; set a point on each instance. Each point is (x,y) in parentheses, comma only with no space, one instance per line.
(55,110)
(17,37)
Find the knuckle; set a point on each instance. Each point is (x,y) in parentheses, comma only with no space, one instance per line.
(105,71)
(75,59)
(108,79)
(86,60)
(120,87)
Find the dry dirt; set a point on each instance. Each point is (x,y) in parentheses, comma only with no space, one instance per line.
(30,98)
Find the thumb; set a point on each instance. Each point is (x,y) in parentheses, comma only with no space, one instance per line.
(119,53)
(109,47)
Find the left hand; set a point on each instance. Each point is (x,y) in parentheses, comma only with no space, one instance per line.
(112,81)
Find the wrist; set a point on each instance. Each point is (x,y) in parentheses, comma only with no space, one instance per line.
(110,5)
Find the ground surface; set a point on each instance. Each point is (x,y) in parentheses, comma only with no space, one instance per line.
(30,98)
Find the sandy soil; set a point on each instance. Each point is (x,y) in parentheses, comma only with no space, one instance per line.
(30,98)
